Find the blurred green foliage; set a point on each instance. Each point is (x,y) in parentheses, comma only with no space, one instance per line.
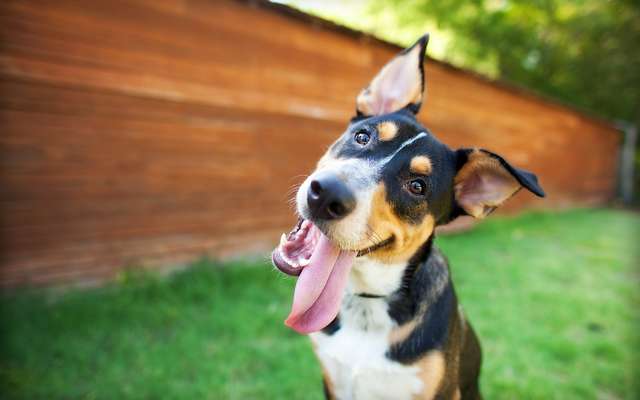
(582,52)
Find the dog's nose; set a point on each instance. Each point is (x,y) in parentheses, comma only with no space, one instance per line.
(329,198)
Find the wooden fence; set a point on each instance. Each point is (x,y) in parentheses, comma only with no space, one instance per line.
(150,133)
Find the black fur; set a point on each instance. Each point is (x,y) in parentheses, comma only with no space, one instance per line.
(333,327)
(439,197)
(426,285)
(404,302)
(431,332)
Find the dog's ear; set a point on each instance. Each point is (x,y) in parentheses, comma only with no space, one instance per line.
(485,180)
(399,84)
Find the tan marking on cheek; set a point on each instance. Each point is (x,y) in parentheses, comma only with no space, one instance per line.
(432,369)
(382,218)
(408,237)
(421,165)
(387,130)
(401,333)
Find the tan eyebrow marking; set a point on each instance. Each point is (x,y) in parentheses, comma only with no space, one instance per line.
(421,165)
(387,130)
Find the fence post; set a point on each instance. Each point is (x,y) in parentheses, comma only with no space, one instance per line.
(627,160)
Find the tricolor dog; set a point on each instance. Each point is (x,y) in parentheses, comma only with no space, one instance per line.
(373,291)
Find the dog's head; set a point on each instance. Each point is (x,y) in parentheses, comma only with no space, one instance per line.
(382,188)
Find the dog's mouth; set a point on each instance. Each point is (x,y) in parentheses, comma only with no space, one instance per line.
(323,269)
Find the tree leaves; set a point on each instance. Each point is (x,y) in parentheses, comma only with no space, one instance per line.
(582,52)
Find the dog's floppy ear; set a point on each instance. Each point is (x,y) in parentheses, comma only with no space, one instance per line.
(485,180)
(399,84)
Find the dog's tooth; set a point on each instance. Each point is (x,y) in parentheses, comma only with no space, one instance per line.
(304,262)
(286,259)
(283,239)
(292,263)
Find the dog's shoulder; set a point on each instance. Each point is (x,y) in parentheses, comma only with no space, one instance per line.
(423,309)
(430,332)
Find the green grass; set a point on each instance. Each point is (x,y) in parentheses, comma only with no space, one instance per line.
(553,296)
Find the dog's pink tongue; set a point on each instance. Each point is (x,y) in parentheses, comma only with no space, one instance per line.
(320,286)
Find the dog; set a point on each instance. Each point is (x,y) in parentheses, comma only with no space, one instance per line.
(373,291)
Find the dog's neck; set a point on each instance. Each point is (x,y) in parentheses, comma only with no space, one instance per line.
(380,295)
(372,278)
(395,282)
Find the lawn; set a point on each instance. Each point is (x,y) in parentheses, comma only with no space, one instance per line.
(553,296)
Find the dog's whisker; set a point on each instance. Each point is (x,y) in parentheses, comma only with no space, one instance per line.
(292,190)
(303,176)
(291,198)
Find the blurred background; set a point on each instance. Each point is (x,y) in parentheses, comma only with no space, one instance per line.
(148,150)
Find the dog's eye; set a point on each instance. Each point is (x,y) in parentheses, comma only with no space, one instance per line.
(417,187)
(362,137)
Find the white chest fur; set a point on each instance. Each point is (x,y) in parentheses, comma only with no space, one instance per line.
(354,356)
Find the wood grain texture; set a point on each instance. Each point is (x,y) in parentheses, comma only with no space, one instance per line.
(146,133)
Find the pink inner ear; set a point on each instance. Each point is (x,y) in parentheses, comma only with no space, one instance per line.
(398,84)
(485,189)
